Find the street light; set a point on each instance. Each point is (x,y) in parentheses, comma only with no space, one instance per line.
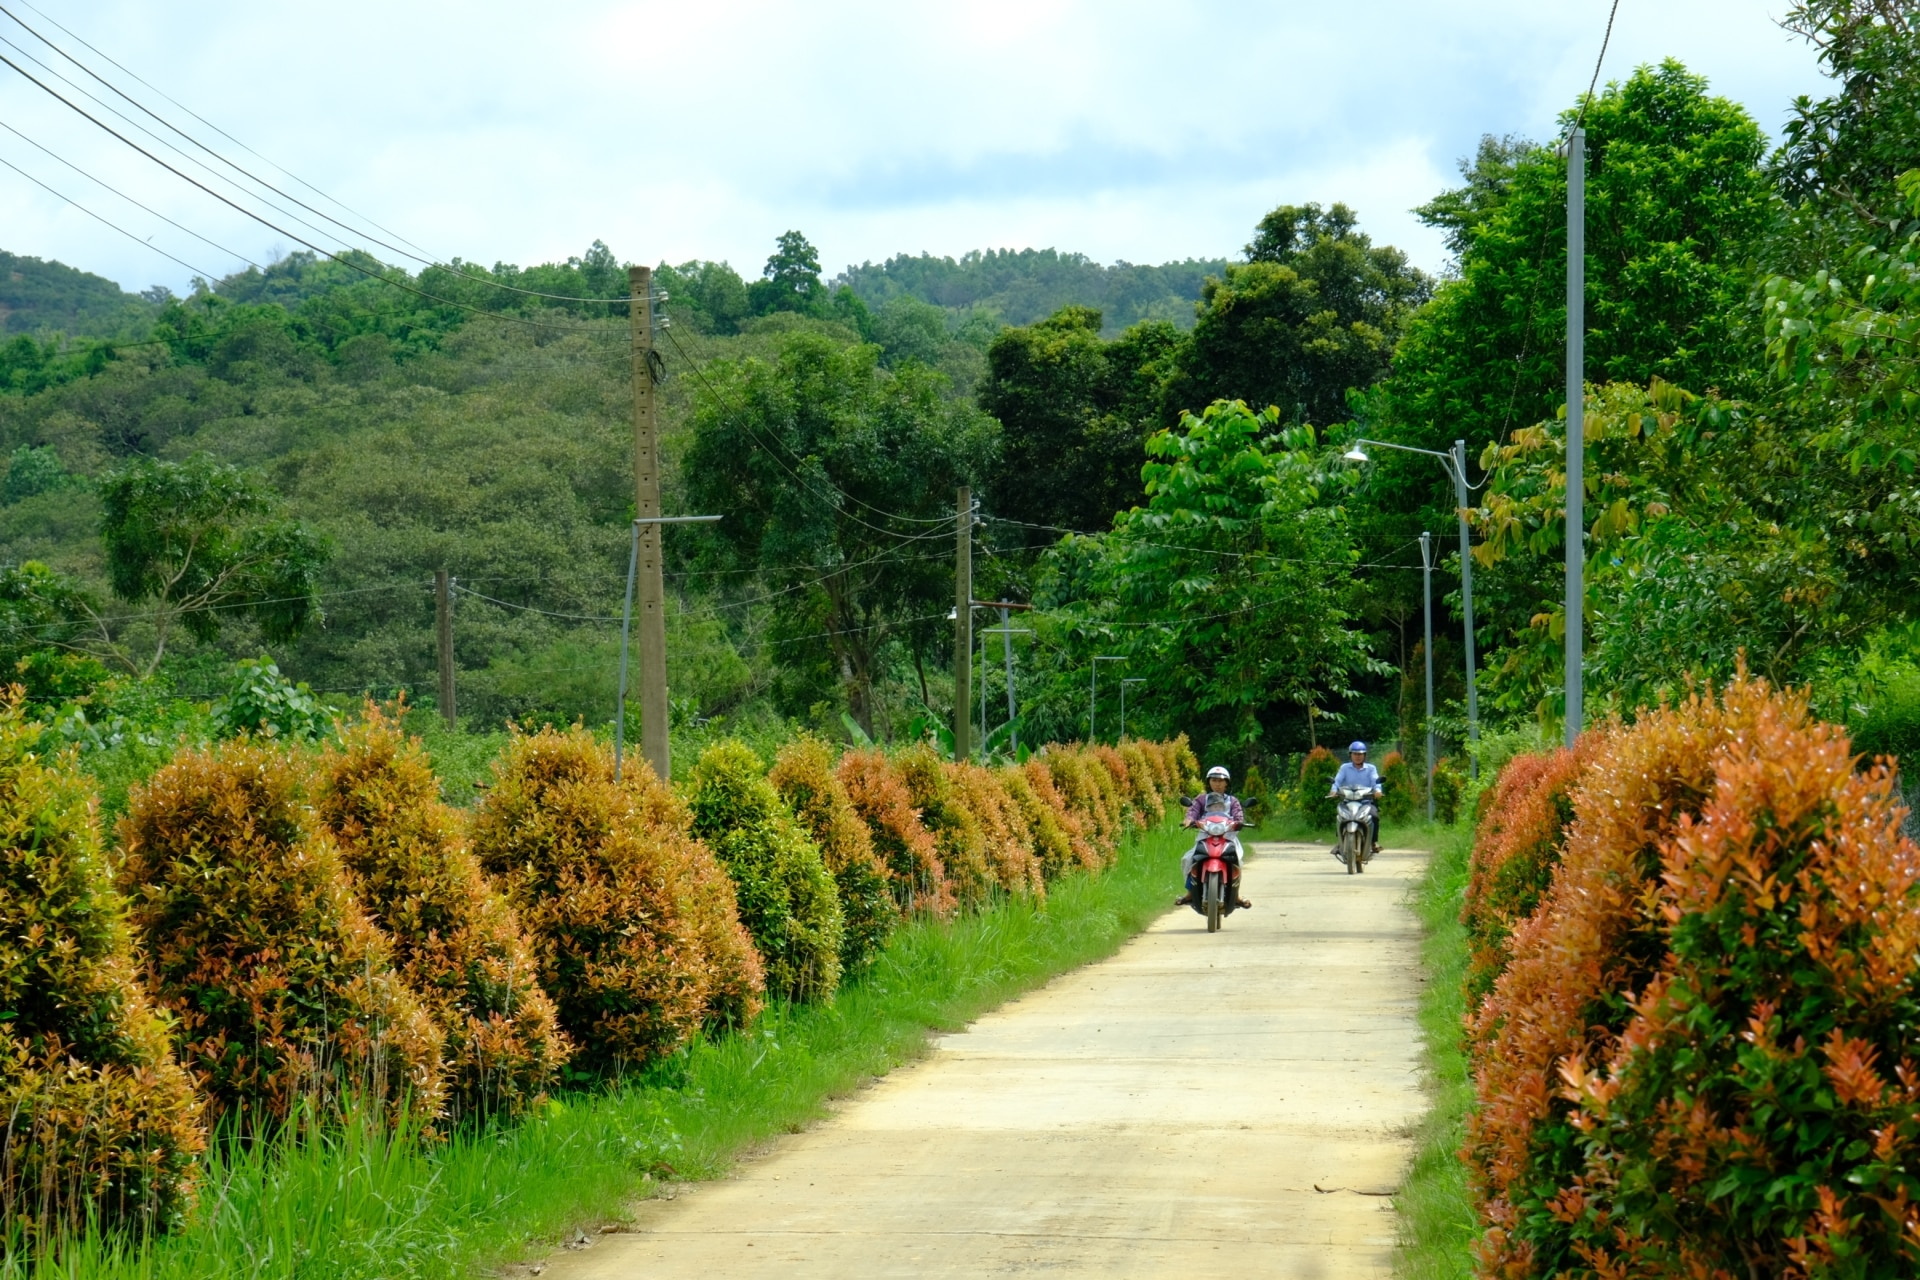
(1093,690)
(1426,573)
(1123,702)
(1455,461)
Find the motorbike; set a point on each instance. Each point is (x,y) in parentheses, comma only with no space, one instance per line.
(1356,812)
(1216,871)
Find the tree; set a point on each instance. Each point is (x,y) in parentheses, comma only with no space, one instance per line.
(1230,590)
(791,281)
(823,458)
(1314,311)
(203,544)
(1075,412)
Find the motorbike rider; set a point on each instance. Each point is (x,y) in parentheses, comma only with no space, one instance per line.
(1215,799)
(1358,773)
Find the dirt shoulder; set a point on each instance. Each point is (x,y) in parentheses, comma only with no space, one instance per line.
(1240,1102)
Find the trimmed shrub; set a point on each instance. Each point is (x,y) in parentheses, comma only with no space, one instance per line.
(1186,766)
(880,796)
(957,833)
(102,1123)
(1713,790)
(1135,803)
(1256,797)
(1073,823)
(1523,829)
(787,897)
(1449,785)
(803,775)
(1074,776)
(456,940)
(1003,825)
(1401,787)
(281,988)
(634,923)
(1052,847)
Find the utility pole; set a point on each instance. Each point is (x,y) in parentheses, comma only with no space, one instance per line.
(1426,569)
(963,623)
(1576,425)
(443,627)
(649,583)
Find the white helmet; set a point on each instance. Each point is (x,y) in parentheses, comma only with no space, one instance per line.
(1218,771)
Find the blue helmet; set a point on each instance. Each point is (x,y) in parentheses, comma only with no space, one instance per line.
(1360,747)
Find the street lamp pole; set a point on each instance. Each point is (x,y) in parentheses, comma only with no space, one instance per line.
(1426,572)
(1093,691)
(1455,461)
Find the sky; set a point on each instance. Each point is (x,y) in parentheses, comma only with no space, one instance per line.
(1144,132)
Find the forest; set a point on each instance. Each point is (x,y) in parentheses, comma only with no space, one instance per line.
(243,494)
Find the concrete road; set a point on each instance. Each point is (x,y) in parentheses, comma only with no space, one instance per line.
(1233,1105)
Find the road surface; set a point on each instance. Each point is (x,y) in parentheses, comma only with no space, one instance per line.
(1233,1105)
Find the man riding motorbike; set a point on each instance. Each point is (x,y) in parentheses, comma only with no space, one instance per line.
(1214,799)
(1358,773)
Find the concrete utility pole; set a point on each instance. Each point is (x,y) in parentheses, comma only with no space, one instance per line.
(963,624)
(649,583)
(443,627)
(1576,425)
(1426,570)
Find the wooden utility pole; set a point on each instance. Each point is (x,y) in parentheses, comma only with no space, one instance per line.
(649,583)
(963,624)
(443,626)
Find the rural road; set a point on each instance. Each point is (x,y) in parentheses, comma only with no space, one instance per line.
(1234,1105)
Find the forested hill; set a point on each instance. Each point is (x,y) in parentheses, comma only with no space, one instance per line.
(40,297)
(1022,286)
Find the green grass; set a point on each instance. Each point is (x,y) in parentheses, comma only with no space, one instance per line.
(1437,1225)
(351,1202)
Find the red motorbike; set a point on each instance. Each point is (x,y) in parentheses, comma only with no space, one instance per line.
(1216,870)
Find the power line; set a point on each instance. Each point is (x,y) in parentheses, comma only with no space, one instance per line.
(97,218)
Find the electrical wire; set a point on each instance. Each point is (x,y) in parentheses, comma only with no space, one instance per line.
(148,244)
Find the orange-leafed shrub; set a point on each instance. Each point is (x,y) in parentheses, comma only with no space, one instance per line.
(1317,770)
(880,796)
(957,833)
(1160,759)
(1003,824)
(456,940)
(1699,1060)
(1073,825)
(1522,831)
(1149,795)
(634,924)
(1051,848)
(281,987)
(1078,781)
(786,895)
(1129,801)
(101,1122)
(803,775)
(1186,766)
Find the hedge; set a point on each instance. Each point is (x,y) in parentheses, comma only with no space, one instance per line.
(803,775)
(457,941)
(102,1123)
(880,796)
(283,991)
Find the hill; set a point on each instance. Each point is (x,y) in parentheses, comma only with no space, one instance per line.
(43,298)
(1021,286)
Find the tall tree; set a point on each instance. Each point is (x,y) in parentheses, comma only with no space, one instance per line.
(202,544)
(824,458)
(791,281)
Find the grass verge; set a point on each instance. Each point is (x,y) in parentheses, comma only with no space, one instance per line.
(1437,1225)
(351,1202)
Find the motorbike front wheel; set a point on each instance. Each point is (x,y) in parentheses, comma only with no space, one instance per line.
(1350,851)
(1215,891)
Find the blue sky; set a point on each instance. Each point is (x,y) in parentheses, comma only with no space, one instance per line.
(1124,130)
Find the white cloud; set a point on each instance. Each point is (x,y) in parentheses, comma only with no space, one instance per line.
(1124,129)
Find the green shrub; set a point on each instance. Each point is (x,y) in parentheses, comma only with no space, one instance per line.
(1317,769)
(1047,836)
(1073,824)
(262,702)
(803,775)
(1449,785)
(880,796)
(1186,766)
(281,988)
(1256,797)
(456,940)
(101,1121)
(1400,787)
(633,922)
(962,844)
(788,900)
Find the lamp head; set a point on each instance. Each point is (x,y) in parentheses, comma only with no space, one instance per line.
(1356,454)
